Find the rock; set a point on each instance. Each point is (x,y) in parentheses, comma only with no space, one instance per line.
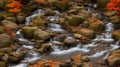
(16,56)
(114,58)
(79,36)
(38,21)
(50,12)
(85,24)
(5,57)
(9,24)
(84,58)
(75,21)
(72,11)
(45,48)
(2,64)
(116,34)
(110,13)
(20,17)
(79,64)
(1,30)
(41,34)
(5,40)
(87,32)
(70,41)
(96,24)
(28,32)
(84,13)
(65,65)
(4,14)
(60,5)
(12,19)
(115,19)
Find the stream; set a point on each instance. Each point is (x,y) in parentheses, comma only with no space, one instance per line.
(93,50)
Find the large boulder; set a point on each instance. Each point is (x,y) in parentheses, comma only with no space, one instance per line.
(38,21)
(41,34)
(28,32)
(87,32)
(16,56)
(5,40)
(75,20)
(109,13)
(9,24)
(45,48)
(114,58)
(81,37)
(60,5)
(70,41)
(50,12)
(115,19)
(116,34)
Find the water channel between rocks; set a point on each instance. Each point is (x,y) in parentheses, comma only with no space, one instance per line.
(93,50)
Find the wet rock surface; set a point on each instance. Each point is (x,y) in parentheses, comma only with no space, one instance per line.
(60,34)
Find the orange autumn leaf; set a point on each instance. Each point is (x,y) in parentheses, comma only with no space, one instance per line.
(77,57)
(41,63)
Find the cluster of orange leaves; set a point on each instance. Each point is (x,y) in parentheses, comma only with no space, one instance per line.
(14,6)
(114,5)
(48,62)
(52,63)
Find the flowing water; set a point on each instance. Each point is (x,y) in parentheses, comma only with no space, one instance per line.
(92,50)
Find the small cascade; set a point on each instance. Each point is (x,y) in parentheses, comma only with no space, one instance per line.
(56,48)
(109,27)
(38,11)
(98,54)
(69,51)
(20,65)
(55,27)
(52,18)
(93,44)
(107,36)
(115,46)
(28,46)
(19,35)
(28,19)
(31,56)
